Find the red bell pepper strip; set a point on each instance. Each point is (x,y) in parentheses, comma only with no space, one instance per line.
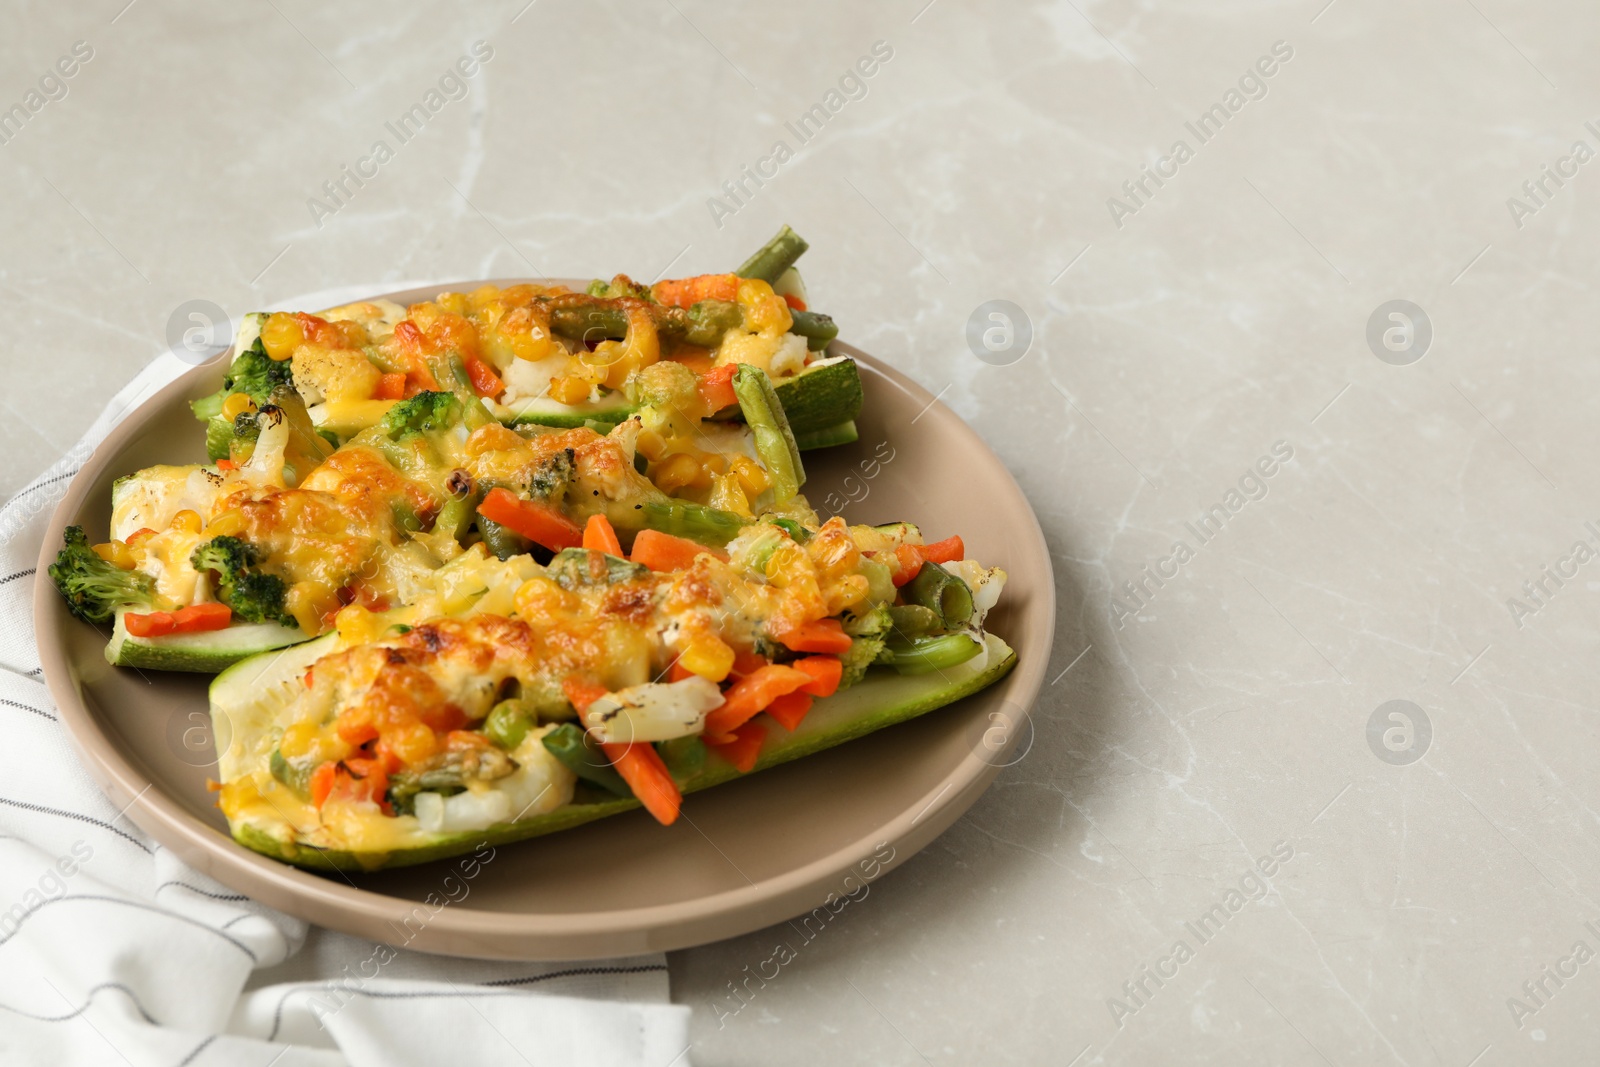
(716,388)
(750,695)
(743,748)
(485,382)
(789,709)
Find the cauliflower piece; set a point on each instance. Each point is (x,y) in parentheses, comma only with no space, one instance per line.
(529,379)
(789,358)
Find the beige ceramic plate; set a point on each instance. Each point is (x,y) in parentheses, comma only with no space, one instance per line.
(747,854)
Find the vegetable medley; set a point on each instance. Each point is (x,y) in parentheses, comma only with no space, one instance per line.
(520,551)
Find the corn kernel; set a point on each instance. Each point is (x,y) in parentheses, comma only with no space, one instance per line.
(533,344)
(281,335)
(540,600)
(228,524)
(308,602)
(237,404)
(727,496)
(115,553)
(483,296)
(650,444)
(299,739)
(357,625)
(708,656)
(676,472)
(785,562)
(751,476)
(569,389)
(412,742)
(187,521)
(455,303)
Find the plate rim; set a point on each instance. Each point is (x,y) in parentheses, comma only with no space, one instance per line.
(464,931)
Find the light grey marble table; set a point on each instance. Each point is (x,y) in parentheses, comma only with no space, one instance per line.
(1225,843)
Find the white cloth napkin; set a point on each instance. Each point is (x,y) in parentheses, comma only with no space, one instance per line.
(113,951)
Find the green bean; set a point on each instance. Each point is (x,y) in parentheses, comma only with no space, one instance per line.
(775,443)
(924,654)
(458,513)
(914,620)
(295,775)
(818,329)
(710,320)
(508,722)
(938,589)
(573,568)
(502,542)
(405,516)
(797,533)
(583,758)
(597,321)
(698,523)
(601,319)
(774,257)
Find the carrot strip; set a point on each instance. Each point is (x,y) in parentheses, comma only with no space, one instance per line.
(750,696)
(641,767)
(826,673)
(744,748)
(947,551)
(581,693)
(539,523)
(598,535)
(686,292)
(390,387)
(794,301)
(824,635)
(664,552)
(149,623)
(790,708)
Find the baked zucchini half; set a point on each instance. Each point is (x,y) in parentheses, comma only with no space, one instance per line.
(249,700)
(512,697)
(545,356)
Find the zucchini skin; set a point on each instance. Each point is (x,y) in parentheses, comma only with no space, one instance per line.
(201,653)
(782,749)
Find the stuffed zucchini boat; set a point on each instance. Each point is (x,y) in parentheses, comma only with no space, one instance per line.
(545,355)
(515,698)
(209,563)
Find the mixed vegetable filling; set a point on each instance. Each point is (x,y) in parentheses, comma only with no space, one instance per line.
(510,688)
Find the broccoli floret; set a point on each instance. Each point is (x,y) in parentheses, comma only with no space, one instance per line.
(420,414)
(549,482)
(92,587)
(258,374)
(867,633)
(254,595)
(620,286)
(254,373)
